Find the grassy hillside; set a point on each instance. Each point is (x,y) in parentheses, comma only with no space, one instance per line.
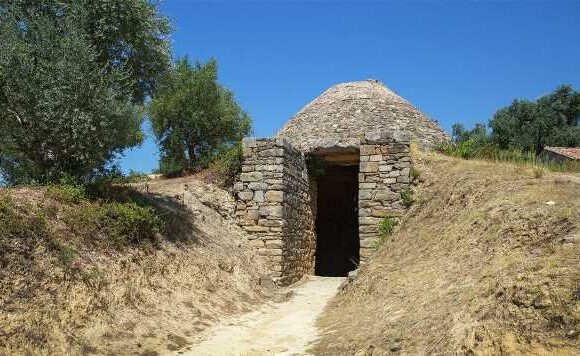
(129,274)
(486,262)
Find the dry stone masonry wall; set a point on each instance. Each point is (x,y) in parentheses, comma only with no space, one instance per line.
(385,168)
(274,207)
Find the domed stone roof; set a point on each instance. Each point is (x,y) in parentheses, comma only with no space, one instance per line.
(342,114)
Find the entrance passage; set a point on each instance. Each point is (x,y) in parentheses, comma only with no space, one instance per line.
(337,242)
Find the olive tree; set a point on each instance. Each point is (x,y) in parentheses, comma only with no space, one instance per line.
(72,77)
(194,117)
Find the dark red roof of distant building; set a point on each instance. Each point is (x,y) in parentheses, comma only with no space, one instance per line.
(570,152)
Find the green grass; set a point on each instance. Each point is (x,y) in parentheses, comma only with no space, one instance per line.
(471,150)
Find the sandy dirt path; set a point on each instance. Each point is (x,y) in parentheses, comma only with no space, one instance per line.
(285,328)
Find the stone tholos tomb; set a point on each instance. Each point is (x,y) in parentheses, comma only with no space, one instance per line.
(312,197)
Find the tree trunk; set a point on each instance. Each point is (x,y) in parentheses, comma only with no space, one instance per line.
(191,154)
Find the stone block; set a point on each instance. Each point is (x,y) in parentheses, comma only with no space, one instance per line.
(385,168)
(367,167)
(375,158)
(238,186)
(403,179)
(251,176)
(368,243)
(271,223)
(386,195)
(275,196)
(403,165)
(367,220)
(257,243)
(368,229)
(273,244)
(272,152)
(253,215)
(258,186)
(365,194)
(367,150)
(270,167)
(365,212)
(368,203)
(246,195)
(259,196)
(367,185)
(274,211)
(256,228)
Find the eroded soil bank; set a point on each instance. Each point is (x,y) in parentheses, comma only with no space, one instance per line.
(485,262)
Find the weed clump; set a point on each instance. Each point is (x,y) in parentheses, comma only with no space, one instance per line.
(386,228)
(407,197)
(415,173)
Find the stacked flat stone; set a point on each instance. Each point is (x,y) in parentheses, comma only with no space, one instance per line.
(385,171)
(346,111)
(274,207)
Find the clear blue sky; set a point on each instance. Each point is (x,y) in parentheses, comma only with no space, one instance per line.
(456,61)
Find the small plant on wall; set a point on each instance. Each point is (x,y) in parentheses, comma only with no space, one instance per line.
(386,228)
(407,197)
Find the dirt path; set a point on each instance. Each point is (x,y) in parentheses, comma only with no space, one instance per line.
(285,328)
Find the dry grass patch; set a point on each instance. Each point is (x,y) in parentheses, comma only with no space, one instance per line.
(81,276)
(485,262)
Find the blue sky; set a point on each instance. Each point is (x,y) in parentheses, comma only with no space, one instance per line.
(457,61)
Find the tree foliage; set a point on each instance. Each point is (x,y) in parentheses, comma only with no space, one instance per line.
(525,126)
(71,76)
(194,117)
(552,120)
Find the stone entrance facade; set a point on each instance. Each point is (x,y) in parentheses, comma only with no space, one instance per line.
(362,125)
(277,198)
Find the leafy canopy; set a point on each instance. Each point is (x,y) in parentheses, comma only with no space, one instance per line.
(194,117)
(71,75)
(552,120)
(526,126)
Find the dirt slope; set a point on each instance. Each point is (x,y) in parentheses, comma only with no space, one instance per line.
(142,299)
(487,262)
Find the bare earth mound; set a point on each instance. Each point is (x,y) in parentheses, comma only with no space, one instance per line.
(486,262)
(144,299)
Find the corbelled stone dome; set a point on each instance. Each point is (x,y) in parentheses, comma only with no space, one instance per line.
(343,113)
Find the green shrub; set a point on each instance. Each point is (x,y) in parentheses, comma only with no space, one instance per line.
(67,193)
(407,197)
(229,164)
(120,223)
(386,228)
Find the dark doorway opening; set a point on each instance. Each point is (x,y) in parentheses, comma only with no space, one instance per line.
(337,241)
